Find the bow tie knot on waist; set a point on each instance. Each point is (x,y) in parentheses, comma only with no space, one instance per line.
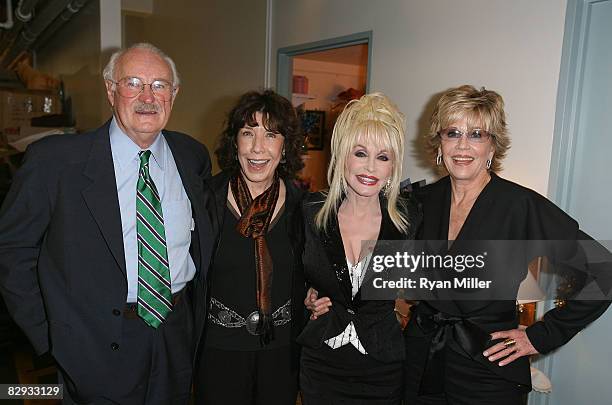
(442,319)
(443,326)
(464,330)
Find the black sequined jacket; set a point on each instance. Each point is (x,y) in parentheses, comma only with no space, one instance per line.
(326,270)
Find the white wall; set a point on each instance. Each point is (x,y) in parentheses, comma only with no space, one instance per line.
(219,50)
(420,48)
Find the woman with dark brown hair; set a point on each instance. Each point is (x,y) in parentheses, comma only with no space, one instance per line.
(256,286)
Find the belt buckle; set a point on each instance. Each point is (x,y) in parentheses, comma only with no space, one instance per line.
(252,322)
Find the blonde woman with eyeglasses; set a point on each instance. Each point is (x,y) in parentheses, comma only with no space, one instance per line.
(468,137)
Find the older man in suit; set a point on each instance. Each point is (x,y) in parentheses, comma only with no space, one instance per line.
(100,237)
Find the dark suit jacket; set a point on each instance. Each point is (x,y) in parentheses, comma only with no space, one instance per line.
(326,270)
(503,211)
(219,185)
(62,264)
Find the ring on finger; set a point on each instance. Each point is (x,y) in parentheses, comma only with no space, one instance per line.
(509,342)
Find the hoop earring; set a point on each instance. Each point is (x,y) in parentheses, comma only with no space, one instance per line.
(439,158)
(488,164)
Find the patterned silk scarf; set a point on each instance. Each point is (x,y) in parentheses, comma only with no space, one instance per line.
(256,215)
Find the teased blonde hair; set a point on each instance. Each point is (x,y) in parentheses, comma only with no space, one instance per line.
(482,108)
(375,118)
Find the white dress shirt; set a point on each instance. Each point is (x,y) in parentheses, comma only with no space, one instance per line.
(349,335)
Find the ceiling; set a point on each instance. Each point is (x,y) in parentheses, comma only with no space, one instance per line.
(26,25)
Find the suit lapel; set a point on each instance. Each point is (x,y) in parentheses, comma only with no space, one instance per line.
(436,210)
(388,232)
(478,214)
(194,187)
(438,200)
(101,195)
(334,249)
(472,229)
(220,186)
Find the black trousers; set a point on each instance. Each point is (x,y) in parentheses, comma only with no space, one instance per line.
(155,365)
(261,377)
(466,382)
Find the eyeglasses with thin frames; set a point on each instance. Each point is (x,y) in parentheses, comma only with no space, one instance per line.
(131,87)
(475,135)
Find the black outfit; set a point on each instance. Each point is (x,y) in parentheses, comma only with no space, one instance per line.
(259,374)
(335,375)
(233,281)
(63,276)
(243,377)
(503,211)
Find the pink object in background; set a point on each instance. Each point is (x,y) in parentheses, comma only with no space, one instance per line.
(300,84)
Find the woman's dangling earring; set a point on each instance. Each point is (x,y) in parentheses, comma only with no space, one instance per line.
(387,187)
(488,164)
(283,160)
(439,158)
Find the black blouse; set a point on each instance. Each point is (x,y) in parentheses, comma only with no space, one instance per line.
(233,279)
(504,211)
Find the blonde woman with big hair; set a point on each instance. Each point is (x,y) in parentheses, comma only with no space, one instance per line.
(354,351)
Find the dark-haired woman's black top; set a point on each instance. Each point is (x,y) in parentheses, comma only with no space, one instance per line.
(234,278)
(503,211)
(233,283)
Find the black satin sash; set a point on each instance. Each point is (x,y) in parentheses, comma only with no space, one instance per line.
(465,331)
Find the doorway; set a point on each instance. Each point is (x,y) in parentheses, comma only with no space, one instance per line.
(320,79)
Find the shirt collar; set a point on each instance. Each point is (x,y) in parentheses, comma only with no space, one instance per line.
(125,150)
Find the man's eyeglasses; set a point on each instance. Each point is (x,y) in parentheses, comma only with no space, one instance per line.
(131,87)
(475,135)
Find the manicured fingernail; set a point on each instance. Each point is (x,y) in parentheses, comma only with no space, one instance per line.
(486,354)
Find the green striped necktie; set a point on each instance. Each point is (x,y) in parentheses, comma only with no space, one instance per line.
(154,292)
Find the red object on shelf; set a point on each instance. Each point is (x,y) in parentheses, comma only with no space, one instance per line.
(300,84)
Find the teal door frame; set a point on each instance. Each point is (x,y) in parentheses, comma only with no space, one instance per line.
(566,132)
(569,97)
(285,57)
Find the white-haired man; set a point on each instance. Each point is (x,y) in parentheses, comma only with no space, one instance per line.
(101,235)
